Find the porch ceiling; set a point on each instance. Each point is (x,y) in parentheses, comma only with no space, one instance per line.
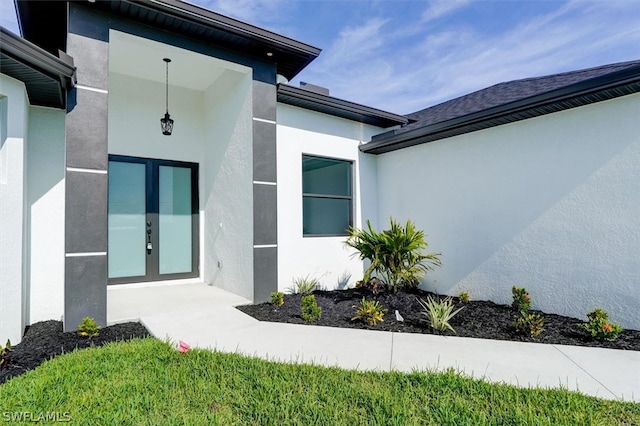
(142,58)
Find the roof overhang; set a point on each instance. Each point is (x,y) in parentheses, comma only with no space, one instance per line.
(46,77)
(337,107)
(609,86)
(44,23)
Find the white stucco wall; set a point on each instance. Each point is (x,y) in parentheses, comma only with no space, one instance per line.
(549,203)
(46,207)
(227,201)
(213,127)
(15,118)
(327,259)
(135,108)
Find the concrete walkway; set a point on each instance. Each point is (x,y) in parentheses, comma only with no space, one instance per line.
(205,317)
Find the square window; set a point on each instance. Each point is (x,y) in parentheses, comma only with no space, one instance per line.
(327,202)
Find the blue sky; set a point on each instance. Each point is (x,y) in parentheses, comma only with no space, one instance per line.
(405,55)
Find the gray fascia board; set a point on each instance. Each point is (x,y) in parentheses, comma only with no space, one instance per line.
(326,103)
(37,58)
(213,19)
(395,140)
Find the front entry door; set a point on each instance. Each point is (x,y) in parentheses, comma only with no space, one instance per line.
(153,219)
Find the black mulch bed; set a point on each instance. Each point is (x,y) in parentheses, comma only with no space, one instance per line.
(479,319)
(45,340)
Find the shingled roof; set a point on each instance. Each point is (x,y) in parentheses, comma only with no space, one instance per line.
(511,101)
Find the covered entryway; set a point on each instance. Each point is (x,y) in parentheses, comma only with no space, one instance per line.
(179,206)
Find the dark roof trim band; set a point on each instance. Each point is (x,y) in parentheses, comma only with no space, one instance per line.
(511,112)
(34,56)
(213,19)
(338,107)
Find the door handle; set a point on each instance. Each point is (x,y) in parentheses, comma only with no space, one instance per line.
(149,245)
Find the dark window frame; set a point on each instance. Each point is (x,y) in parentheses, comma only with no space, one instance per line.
(309,195)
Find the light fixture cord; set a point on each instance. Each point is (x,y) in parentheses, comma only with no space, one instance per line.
(167,88)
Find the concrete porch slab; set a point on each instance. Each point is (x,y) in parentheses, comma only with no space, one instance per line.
(126,302)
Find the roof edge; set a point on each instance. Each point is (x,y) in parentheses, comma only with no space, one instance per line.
(230,24)
(24,50)
(394,140)
(319,102)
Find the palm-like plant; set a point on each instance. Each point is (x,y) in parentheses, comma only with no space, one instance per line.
(395,254)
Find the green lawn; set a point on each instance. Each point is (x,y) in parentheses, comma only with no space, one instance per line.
(148,382)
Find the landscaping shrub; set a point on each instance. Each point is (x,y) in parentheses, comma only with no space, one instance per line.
(277,298)
(373,284)
(304,285)
(88,328)
(521,299)
(4,354)
(309,309)
(370,312)
(439,313)
(599,326)
(395,255)
(530,324)
(464,297)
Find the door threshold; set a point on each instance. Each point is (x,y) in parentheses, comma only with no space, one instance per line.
(154,284)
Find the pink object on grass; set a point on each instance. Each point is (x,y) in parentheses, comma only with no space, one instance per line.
(183,346)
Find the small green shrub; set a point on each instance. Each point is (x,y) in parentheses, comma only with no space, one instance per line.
(304,285)
(599,326)
(395,254)
(309,309)
(88,328)
(370,312)
(277,298)
(4,355)
(439,313)
(530,324)
(464,297)
(521,299)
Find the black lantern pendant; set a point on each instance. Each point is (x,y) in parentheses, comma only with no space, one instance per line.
(167,123)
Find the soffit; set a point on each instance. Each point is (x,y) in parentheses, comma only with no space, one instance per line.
(46,77)
(289,55)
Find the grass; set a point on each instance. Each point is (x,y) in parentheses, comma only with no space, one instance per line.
(147,382)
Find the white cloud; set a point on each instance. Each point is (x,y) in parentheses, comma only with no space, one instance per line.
(355,44)
(569,38)
(258,12)
(404,71)
(440,8)
(357,57)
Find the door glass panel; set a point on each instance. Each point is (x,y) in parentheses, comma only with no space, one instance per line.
(174,220)
(127,216)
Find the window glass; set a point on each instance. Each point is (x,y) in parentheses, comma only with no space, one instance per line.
(325,176)
(326,196)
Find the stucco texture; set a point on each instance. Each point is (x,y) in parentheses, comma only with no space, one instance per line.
(549,203)
(326,259)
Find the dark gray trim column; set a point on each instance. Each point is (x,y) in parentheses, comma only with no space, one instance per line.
(265,209)
(86,271)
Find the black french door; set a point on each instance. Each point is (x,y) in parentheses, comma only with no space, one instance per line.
(153,219)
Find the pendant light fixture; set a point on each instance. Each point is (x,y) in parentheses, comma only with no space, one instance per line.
(167,123)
